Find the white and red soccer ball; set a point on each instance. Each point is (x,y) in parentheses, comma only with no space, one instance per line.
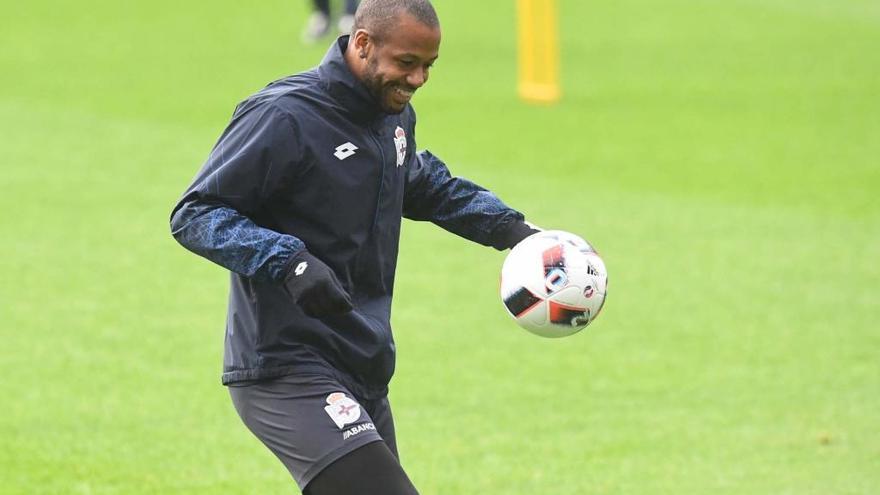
(553,283)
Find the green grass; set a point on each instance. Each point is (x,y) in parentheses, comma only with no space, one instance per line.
(723,156)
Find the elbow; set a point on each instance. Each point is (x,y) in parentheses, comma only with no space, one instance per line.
(194,222)
(176,223)
(181,218)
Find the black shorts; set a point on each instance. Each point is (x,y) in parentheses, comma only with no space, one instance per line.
(309,421)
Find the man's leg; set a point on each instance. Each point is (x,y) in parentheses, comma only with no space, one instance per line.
(346,20)
(368,470)
(380,411)
(322,6)
(318,24)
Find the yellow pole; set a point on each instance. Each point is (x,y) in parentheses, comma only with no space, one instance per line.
(538,51)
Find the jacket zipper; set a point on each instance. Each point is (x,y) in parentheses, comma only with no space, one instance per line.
(376,140)
(358,263)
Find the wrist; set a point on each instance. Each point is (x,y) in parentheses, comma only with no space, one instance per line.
(297,263)
(512,234)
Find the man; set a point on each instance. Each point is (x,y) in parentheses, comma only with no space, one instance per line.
(302,199)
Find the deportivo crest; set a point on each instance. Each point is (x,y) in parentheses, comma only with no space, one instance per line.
(342,410)
(400,144)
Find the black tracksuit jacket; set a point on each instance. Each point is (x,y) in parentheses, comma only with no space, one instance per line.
(310,162)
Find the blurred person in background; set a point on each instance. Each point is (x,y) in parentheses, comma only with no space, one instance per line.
(320,21)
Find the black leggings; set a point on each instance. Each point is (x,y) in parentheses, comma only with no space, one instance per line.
(368,470)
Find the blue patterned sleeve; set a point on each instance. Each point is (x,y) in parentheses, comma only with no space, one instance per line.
(250,163)
(454,203)
(233,241)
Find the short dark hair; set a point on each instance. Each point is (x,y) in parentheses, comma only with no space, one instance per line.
(379,16)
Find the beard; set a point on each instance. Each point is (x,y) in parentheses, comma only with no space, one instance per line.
(380,90)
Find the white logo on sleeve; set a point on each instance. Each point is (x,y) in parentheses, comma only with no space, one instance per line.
(400,144)
(344,151)
(300,268)
(342,410)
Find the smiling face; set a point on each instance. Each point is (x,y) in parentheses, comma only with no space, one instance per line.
(393,65)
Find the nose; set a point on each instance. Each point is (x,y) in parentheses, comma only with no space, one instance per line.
(417,78)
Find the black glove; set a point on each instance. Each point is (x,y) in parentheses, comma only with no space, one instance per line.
(512,234)
(315,288)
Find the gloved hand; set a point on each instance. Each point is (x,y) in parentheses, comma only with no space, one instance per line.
(513,234)
(314,287)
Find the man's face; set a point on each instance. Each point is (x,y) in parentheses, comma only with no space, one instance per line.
(398,64)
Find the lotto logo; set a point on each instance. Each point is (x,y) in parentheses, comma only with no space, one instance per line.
(344,151)
(300,268)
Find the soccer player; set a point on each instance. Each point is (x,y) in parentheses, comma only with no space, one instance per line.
(302,199)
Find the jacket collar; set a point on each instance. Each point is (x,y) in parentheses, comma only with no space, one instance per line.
(344,87)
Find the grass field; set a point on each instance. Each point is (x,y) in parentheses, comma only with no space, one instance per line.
(723,155)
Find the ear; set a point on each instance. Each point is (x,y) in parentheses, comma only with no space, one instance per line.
(362,43)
